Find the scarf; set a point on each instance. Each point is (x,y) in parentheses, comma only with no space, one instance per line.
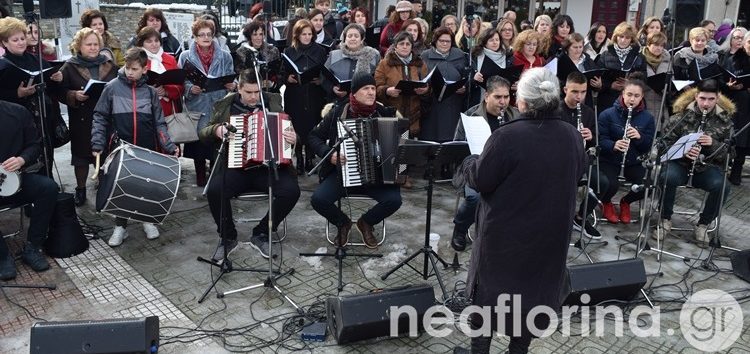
(622,54)
(363,57)
(92,64)
(637,109)
(559,39)
(205,56)
(320,37)
(360,110)
(406,60)
(156,61)
(497,57)
(652,60)
(703,60)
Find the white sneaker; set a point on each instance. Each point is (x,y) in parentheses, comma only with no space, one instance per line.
(151,231)
(701,234)
(118,235)
(664,228)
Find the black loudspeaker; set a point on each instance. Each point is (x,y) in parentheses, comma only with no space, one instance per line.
(363,316)
(130,335)
(55,8)
(614,280)
(741,264)
(689,13)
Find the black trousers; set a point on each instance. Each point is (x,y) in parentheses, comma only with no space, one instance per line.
(330,191)
(42,192)
(633,174)
(237,181)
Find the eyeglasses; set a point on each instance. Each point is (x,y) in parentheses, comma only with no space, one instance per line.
(737,37)
(205,35)
(444,41)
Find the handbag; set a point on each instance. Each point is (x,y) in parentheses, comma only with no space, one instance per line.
(183,126)
(59,134)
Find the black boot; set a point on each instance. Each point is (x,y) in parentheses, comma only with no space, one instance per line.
(300,166)
(735,176)
(80,197)
(458,241)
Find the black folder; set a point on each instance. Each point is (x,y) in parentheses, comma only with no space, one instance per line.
(94,88)
(14,75)
(344,85)
(711,71)
(443,88)
(169,77)
(303,77)
(407,87)
(208,84)
(489,69)
(656,82)
(742,78)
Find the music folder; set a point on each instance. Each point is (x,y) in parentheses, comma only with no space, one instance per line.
(15,75)
(372,36)
(303,77)
(442,88)
(344,85)
(657,81)
(94,88)
(743,79)
(407,87)
(615,74)
(711,71)
(169,77)
(489,69)
(208,83)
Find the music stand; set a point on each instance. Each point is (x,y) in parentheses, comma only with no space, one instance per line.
(416,152)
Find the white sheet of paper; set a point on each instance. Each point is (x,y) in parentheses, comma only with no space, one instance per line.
(552,66)
(681,146)
(477,132)
(681,84)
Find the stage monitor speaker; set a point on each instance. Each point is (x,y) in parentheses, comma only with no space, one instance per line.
(55,9)
(363,316)
(741,264)
(129,335)
(614,280)
(689,13)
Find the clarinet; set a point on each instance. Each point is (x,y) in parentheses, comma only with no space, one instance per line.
(579,122)
(625,137)
(692,167)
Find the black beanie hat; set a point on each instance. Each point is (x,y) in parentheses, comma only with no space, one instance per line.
(360,80)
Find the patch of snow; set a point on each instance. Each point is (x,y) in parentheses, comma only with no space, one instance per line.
(316,263)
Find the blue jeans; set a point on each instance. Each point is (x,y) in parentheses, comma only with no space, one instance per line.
(42,192)
(709,180)
(329,191)
(467,211)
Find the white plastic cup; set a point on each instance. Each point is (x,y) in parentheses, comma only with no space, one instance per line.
(434,241)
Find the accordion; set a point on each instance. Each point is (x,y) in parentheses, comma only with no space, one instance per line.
(374,160)
(250,146)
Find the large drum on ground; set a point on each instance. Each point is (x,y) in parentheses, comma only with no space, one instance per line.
(138,184)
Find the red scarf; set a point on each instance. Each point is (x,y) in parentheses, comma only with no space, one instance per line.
(358,109)
(205,56)
(637,109)
(559,39)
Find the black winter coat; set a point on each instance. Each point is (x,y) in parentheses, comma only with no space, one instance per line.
(609,60)
(440,123)
(303,103)
(523,216)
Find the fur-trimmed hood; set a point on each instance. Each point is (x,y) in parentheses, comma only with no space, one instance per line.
(328,107)
(686,100)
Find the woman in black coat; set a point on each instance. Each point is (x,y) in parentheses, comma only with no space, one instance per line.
(737,61)
(523,216)
(624,55)
(440,124)
(303,102)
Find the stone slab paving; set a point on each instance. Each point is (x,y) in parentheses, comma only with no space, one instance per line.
(163,278)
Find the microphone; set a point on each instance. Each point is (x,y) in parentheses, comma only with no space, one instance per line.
(230,128)
(349,131)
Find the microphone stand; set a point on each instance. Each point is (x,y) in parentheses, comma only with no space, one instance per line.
(340,253)
(273,175)
(581,244)
(32,17)
(715,241)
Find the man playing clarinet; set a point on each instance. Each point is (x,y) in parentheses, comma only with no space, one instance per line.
(254,178)
(361,105)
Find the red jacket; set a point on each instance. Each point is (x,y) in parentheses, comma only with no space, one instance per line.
(386,36)
(173,92)
(519,59)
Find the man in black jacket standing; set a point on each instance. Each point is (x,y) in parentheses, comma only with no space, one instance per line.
(20,147)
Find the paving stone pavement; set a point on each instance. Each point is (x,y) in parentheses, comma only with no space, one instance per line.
(162,277)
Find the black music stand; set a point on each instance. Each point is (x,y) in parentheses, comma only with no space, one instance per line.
(416,152)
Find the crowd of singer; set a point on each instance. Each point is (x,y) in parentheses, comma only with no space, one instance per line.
(617,111)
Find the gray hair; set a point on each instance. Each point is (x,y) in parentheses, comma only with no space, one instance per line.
(727,21)
(539,89)
(727,44)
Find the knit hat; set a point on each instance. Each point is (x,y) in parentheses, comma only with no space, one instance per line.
(360,80)
(403,6)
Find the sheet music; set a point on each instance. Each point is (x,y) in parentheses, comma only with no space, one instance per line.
(552,66)
(477,132)
(681,147)
(681,84)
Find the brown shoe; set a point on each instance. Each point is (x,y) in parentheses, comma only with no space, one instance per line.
(368,237)
(342,237)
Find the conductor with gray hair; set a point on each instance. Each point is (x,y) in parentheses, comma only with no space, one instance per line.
(527,178)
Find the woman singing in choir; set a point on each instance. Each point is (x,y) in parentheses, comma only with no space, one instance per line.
(303,100)
(352,57)
(621,58)
(657,62)
(86,64)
